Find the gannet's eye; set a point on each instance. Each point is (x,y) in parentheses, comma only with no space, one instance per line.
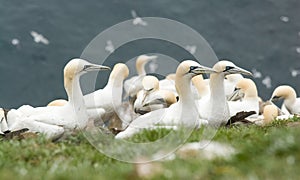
(276,97)
(193,68)
(227,68)
(237,89)
(86,67)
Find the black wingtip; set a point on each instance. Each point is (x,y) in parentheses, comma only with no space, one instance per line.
(240,117)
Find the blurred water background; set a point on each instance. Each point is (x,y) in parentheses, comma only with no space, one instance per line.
(261,36)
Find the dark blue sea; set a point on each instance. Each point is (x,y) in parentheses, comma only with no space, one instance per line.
(258,34)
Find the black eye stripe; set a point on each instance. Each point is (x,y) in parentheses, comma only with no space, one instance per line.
(227,68)
(87,66)
(193,68)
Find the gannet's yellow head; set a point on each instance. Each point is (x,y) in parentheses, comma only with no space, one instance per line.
(191,68)
(283,92)
(247,86)
(228,67)
(119,70)
(78,67)
(150,83)
(141,61)
(270,113)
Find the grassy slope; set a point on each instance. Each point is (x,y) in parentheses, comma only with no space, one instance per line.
(271,152)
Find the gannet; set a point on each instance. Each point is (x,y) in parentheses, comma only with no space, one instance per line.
(270,113)
(151,98)
(215,107)
(57,102)
(110,97)
(289,96)
(200,87)
(230,82)
(134,84)
(250,101)
(183,112)
(54,120)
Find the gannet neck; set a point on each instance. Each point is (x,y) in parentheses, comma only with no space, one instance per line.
(72,86)
(141,61)
(200,85)
(216,84)
(117,75)
(183,87)
(218,103)
(140,64)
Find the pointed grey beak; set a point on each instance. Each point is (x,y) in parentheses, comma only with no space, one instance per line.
(275,98)
(201,70)
(152,57)
(238,70)
(95,67)
(236,95)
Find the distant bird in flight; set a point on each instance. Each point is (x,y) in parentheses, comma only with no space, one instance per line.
(39,38)
(138,20)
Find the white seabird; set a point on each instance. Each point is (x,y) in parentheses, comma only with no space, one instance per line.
(250,100)
(39,38)
(151,98)
(133,85)
(200,87)
(53,120)
(289,96)
(215,107)
(183,112)
(110,97)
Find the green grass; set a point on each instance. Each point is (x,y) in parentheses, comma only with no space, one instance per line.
(269,152)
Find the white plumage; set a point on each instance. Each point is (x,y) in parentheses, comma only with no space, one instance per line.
(151,98)
(183,112)
(290,101)
(215,107)
(133,85)
(250,101)
(53,120)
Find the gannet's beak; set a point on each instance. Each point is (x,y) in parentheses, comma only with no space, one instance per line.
(152,57)
(237,70)
(95,67)
(236,95)
(275,98)
(201,70)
